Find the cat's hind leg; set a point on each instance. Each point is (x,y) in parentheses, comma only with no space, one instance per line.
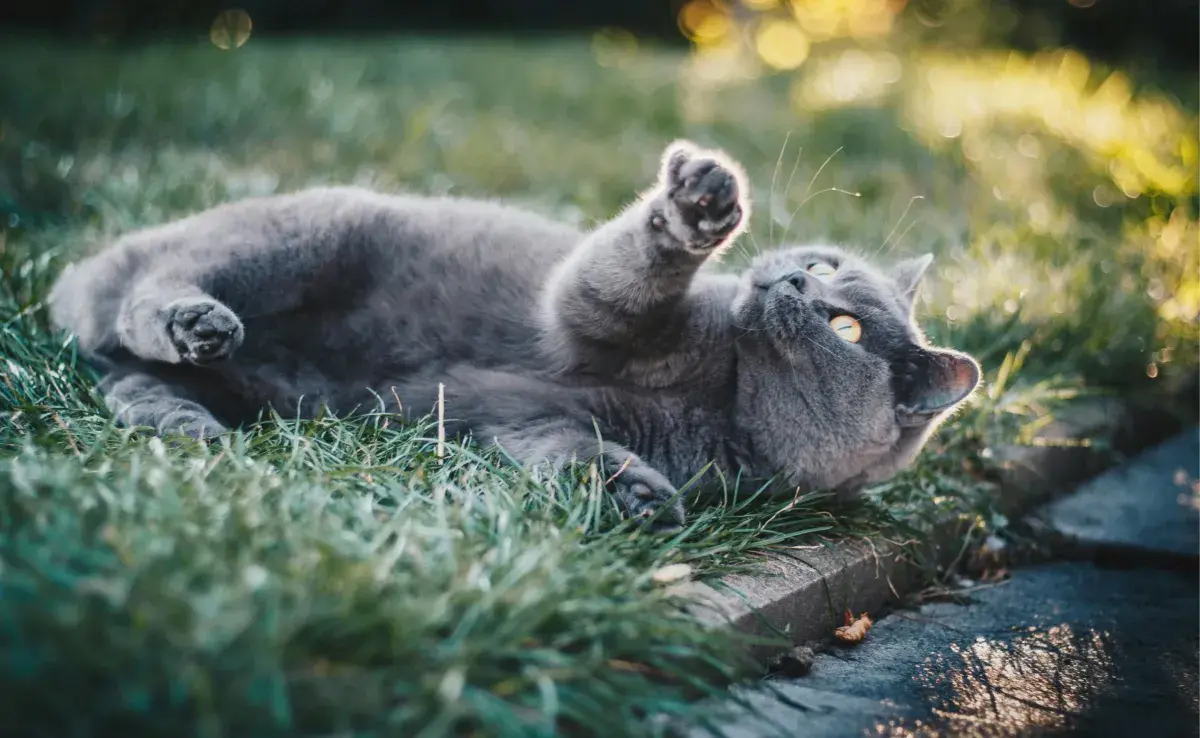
(140,398)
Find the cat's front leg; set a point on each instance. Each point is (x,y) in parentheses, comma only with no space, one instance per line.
(644,493)
(537,422)
(628,280)
(177,323)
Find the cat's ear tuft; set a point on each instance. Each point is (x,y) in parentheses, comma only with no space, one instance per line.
(942,379)
(908,274)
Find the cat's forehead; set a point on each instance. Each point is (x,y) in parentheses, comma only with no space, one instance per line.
(853,274)
(802,257)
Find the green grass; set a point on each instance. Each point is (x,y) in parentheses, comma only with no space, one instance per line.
(335,576)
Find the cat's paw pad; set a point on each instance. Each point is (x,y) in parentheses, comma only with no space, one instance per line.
(652,501)
(704,197)
(203,330)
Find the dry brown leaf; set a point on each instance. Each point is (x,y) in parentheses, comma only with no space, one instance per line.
(995,575)
(854,630)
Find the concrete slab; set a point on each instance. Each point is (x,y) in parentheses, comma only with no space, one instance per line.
(1148,503)
(802,593)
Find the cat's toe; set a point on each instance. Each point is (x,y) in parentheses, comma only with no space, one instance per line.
(204,331)
(656,505)
(707,197)
(192,425)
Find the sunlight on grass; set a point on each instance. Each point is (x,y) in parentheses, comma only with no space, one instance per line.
(1146,144)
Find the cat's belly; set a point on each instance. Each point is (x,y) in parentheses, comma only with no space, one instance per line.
(346,362)
(467,301)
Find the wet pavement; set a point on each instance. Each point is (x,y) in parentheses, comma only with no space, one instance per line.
(1094,646)
(1060,649)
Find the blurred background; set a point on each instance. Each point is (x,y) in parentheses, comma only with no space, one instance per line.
(1045,150)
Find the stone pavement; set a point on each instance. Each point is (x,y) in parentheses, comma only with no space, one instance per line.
(1141,506)
(1063,648)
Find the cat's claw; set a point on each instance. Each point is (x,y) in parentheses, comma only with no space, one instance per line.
(203,330)
(704,198)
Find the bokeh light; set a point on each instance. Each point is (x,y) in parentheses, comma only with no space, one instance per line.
(704,23)
(854,77)
(230,29)
(826,19)
(781,44)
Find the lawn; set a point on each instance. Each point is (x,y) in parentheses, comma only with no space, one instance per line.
(338,576)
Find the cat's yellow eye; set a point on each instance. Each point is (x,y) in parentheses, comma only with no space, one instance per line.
(822,271)
(847,328)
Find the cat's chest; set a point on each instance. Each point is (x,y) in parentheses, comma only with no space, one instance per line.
(679,433)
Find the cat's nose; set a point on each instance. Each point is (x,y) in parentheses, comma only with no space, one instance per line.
(800,280)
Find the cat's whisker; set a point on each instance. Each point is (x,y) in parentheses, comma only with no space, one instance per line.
(788,226)
(823,348)
(754,242)
(901,236)
(820,169)
(814,342)
(771,194)
(739,248)
(747,330)
(787,191)
(911,200)
(792,216)
(828,189)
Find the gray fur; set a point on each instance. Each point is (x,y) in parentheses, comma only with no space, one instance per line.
(622,346)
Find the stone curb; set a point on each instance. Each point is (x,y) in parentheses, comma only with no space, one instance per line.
(804,593)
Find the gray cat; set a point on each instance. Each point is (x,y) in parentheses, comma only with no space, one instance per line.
(619,346)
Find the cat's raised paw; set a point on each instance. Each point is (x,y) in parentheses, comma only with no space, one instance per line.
(704,198)
(203,330)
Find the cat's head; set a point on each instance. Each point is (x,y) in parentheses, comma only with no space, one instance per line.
(836,386)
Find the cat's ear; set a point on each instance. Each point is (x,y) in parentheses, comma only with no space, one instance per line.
(939,379)
(908,273)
